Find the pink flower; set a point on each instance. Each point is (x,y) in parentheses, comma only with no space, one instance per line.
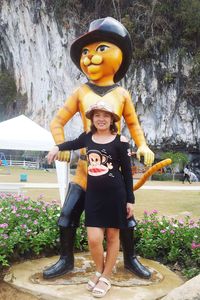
(55,201)
(172,231)
(195,246)
(181,221)
(163,231)
(40,196)
(4,225)
(35,222)
(144,221)
(23,226)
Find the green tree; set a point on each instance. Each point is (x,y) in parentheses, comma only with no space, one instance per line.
(189,15)
(179,159)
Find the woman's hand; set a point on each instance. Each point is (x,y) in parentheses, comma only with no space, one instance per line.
(129,209)
(52,155)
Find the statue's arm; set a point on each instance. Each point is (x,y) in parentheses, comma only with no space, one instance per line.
(64,114)
(136,131)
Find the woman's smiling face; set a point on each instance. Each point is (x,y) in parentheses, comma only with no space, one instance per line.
(102,120)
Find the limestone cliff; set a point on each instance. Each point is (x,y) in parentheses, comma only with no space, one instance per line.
(35,49)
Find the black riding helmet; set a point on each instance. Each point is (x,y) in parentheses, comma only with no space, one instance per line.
(108,30)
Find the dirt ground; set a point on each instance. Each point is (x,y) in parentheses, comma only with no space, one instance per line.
(9,293)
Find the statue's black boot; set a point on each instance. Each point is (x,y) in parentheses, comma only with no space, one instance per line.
(68,221)
(130,260)
(66,261)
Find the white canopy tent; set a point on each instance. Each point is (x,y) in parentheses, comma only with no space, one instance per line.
(21,133)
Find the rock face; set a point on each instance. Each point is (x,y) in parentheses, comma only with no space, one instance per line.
(168,118)
(36,49)
(188,291)
(38,53)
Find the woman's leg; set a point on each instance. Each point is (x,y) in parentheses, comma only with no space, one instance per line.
(103,284)
(112,235)
(95,241)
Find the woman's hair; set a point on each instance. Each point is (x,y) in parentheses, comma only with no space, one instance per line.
(113,126)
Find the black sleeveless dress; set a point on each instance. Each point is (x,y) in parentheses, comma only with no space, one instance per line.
(109,181)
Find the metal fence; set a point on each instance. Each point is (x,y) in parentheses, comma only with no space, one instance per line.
(23,163)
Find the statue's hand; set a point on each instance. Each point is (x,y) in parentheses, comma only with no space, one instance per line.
(147,153)
(63,156)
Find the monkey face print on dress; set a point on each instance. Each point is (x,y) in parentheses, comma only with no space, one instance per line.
(98,163)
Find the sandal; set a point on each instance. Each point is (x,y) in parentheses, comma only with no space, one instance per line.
(91,284)
(100,292)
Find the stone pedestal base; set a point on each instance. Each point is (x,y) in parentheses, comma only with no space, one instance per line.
(28,277)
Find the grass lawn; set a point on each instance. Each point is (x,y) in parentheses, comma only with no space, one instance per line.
(168,203)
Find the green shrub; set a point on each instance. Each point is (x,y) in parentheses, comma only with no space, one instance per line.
(162,177)
(29,228)
(81,243)
(26,226)
(167,177)
(169,77)
(170,241)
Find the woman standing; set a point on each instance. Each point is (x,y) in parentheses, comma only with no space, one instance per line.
(186,174)
(109,196)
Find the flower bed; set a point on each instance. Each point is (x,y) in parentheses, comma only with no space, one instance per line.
(29,229)
(26,227)
(170,241)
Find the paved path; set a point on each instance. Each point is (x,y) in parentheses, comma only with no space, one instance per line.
(171,187)
(38,185)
